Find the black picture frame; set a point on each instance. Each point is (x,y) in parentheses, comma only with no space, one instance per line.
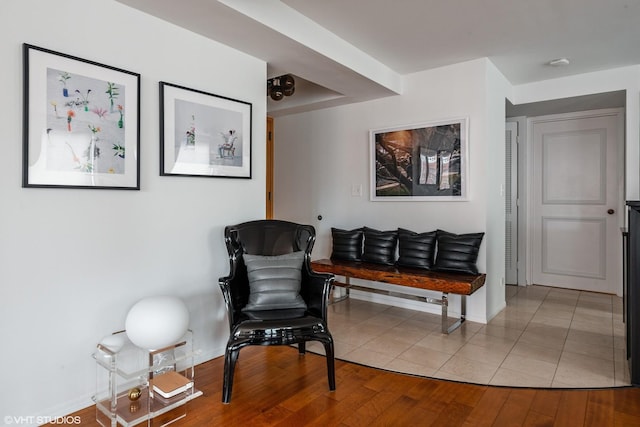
(203,134)
(81,123)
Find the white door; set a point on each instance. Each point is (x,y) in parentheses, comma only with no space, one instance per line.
(511,203)
(575,201)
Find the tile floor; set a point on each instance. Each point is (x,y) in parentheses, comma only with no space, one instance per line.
(545,337)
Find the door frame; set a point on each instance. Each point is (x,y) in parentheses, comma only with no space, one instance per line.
(526,146)
(511,204)
(522,194)
(269,177)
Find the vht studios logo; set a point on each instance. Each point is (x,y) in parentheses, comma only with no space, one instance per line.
(40,419)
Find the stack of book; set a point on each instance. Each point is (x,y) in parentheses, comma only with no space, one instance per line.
(170,384)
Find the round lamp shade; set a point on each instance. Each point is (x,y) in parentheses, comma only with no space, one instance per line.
(157,322)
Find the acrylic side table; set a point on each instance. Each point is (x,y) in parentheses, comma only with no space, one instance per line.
(124,378)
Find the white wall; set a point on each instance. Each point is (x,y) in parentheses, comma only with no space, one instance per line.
(72,262)
(498,88)
(320,155)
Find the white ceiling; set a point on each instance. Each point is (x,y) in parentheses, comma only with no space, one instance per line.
(343,51)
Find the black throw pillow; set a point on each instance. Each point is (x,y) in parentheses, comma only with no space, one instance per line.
(416,249)
(458,252)
(380,246)
(347,244)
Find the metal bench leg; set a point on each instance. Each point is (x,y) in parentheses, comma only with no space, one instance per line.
(445,319)
(445,315)
(463,308)
(347,282)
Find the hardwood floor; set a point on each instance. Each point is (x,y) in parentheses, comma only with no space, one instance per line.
(276,387)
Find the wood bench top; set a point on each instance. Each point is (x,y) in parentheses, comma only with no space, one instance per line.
(455,283)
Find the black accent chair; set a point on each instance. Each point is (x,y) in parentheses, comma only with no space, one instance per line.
(275,325)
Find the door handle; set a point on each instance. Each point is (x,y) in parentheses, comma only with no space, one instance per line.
(611,211)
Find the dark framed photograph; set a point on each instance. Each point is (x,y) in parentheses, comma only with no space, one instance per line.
(202,134)
(81,123)
(422,162)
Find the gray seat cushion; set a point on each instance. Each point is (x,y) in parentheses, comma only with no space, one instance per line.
(274,281)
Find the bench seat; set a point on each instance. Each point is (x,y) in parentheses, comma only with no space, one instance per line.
(446,282)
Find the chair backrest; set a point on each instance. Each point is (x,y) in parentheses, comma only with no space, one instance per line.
(268,237)
(262,237)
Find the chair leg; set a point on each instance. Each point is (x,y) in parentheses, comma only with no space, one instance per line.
(331,365)
(302,347)
(230,358)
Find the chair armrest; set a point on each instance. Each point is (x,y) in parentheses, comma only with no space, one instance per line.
(235,290)
(225,287)
(315,290)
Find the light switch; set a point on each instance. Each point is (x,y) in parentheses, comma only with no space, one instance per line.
(356,190)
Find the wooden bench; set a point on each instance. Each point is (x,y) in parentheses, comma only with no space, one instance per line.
(445,282)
